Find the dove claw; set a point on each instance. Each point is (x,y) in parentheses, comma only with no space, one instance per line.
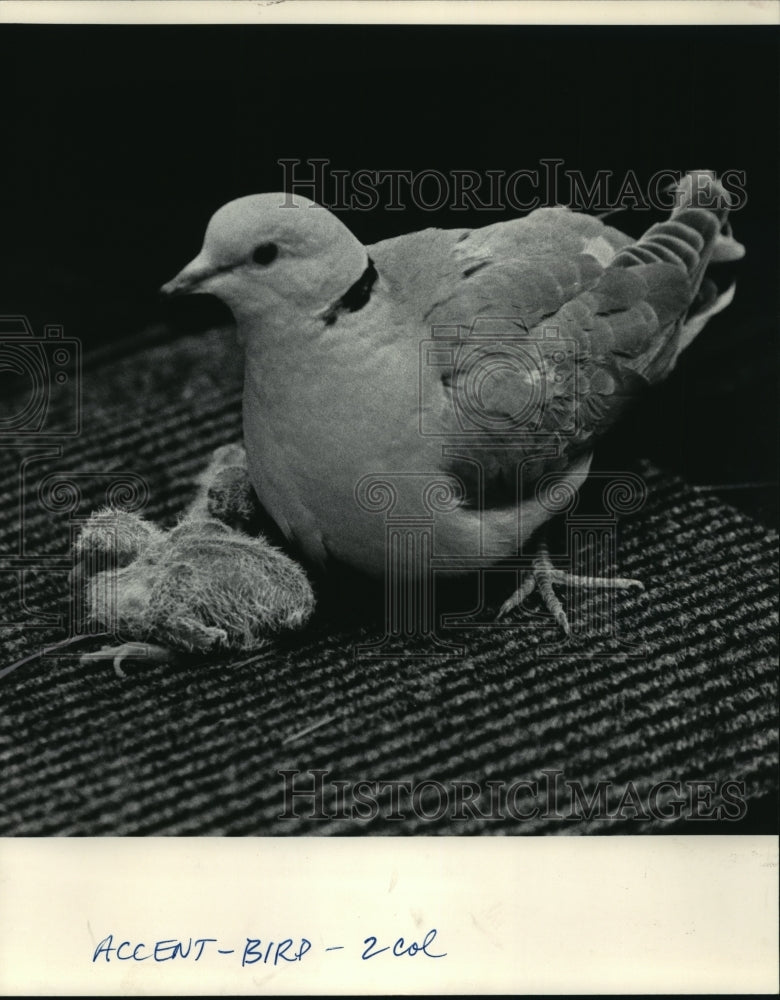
(543,575)
(517,599)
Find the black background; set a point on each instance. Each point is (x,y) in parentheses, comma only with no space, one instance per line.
(119,142)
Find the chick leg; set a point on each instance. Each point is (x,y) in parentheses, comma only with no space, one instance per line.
(128,650)
(544,575)
(225,491)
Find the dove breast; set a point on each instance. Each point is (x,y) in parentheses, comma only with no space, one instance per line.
(355,398)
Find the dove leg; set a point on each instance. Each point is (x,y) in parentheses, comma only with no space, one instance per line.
(225,491)
(544,575)
(128,650)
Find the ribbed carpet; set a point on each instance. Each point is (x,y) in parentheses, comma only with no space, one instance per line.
(196,748)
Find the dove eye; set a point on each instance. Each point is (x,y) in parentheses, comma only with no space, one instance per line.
(265,253)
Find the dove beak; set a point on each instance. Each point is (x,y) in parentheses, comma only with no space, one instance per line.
(192,279)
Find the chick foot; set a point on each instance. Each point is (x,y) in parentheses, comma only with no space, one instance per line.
(544,575)
(128,651)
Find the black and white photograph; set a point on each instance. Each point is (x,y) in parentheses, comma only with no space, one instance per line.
(388,425)
(389,430)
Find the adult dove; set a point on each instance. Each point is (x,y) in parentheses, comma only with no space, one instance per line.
(464,353)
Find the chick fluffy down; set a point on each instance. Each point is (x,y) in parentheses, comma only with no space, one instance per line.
(201,586)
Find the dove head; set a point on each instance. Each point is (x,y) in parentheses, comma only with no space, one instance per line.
(272,253)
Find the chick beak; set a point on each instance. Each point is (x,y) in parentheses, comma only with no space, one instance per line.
(191,280)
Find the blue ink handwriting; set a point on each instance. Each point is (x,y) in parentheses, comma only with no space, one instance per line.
(253,951)
(400,948)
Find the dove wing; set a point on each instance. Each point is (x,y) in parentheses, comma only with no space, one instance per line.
(546,347)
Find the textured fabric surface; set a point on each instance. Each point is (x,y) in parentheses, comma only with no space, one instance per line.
(196,747)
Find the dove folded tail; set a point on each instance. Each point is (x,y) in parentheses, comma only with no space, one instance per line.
(696,234)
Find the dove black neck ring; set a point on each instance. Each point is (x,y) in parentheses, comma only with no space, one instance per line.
(355,297)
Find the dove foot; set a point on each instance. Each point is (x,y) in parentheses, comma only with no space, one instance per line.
(128,651)
(543,576)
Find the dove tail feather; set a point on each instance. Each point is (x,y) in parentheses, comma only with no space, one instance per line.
(697,227)
(696,233)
